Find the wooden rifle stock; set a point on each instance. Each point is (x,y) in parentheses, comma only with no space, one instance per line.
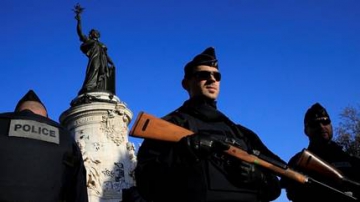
(151,127)
(310,162)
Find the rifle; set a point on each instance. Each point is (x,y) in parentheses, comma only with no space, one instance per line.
(310,162)
(151,127)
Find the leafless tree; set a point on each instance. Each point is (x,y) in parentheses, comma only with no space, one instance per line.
(347,133)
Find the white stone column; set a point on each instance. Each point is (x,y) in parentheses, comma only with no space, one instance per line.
(99,123)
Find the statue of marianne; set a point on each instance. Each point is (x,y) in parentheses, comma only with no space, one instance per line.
(100,71)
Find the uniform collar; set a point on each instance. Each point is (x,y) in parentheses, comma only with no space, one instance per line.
(199,101)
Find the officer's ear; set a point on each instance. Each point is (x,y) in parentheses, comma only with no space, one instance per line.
(185,84)
(306,131)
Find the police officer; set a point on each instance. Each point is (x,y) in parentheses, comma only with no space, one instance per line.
(196,168)
(318,128)
(39,159)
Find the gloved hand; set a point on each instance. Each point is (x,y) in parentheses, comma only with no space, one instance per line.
(250,174)
(201,145)
(242,172)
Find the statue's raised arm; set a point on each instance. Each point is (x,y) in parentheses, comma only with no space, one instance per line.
(78,10)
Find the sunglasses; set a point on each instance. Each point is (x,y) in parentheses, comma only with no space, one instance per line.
(205,75)
(316,123)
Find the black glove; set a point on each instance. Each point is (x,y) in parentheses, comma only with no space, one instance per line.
(201,145)
(241,172)
(254,177)
(250,174)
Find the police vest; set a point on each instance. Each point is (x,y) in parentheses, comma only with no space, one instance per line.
(38,158)
(222,173)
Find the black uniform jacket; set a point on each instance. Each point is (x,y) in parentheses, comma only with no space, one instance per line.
(39,161)
(166,172)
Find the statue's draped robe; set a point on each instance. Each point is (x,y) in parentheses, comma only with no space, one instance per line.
(97,71)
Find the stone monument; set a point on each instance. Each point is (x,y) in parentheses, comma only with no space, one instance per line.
(98,120)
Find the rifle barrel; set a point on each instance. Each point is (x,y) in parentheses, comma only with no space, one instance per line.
(311,180)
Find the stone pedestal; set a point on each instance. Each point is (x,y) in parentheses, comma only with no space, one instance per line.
(99,123)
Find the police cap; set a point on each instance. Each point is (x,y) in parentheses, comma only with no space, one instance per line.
(207,57)
(315,112)
(29,96)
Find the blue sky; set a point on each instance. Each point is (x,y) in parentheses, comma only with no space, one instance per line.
(277,57)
